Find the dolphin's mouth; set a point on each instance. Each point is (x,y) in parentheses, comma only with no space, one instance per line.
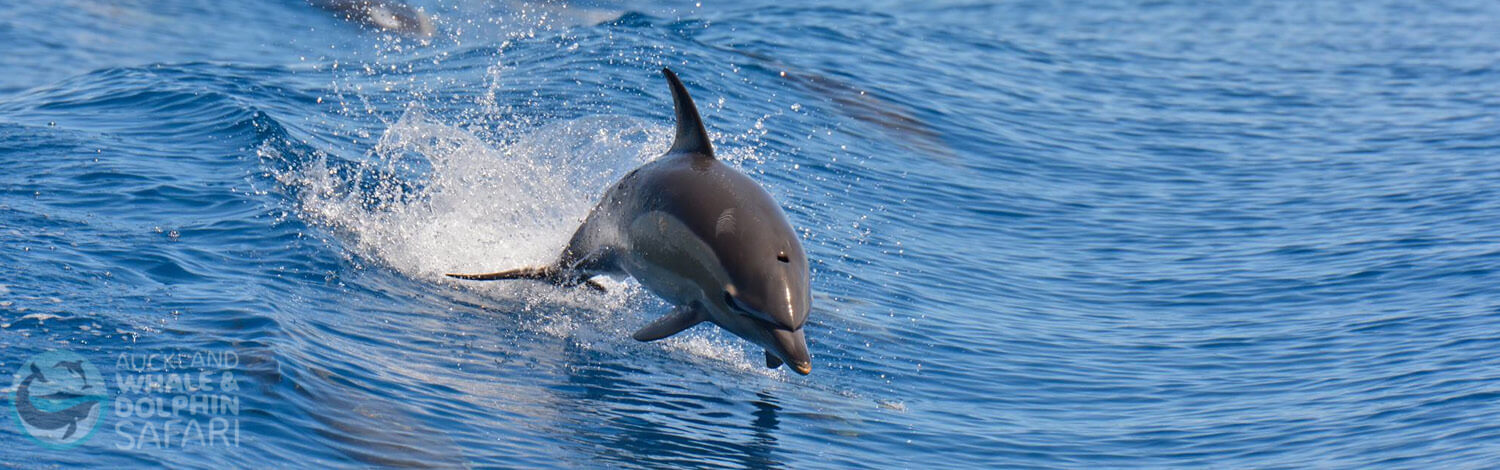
(803,368)
(792,346)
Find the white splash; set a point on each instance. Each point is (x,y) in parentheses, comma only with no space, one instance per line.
(446,201)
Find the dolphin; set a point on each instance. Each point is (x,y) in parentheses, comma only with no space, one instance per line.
(861,103)
(696,232)
(386,15)
(76,367)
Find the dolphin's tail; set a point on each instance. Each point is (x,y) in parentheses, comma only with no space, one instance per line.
(545,273)
(550,274)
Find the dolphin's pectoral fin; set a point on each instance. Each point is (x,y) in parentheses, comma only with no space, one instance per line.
(680,318)
(772,361)
(595,285)
(73,426)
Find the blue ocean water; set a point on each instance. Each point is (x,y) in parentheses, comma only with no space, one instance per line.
(1081,234)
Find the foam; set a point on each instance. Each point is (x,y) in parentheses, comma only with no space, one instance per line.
(436,199)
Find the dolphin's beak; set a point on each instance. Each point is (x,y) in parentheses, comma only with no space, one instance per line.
(793,347)
(804,368)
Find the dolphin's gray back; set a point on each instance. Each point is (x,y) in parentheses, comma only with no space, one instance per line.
(738,221)
(691,188)
(723,207)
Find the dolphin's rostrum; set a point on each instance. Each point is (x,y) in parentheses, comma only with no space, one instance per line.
(701,235)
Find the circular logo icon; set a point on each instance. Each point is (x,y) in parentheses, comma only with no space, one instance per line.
(59,398)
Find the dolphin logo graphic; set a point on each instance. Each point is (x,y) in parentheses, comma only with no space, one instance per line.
(66,408)
(75,367)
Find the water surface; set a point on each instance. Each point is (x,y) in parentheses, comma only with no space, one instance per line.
(1099,234)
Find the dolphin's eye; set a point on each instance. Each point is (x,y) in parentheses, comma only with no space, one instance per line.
(782,257)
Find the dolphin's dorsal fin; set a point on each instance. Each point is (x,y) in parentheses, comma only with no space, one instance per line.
(691,136)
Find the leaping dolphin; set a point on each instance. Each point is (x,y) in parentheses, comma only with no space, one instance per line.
(701,235)
(76,367)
